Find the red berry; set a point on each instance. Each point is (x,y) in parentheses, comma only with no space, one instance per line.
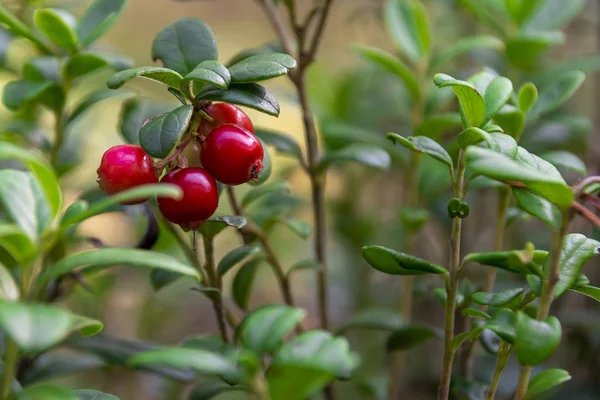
(200,197)
(123,167)
(225,113)
(232,155)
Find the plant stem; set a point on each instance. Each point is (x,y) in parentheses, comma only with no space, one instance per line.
(547,296)
(452,285)
(10,368)
(501,361)
(59,132)
(216,282)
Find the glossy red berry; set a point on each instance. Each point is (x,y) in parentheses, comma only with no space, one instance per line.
(225,113)
(200,197)
(124,167)
(232,155)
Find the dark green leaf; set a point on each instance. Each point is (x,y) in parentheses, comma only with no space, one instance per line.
(475,313)
(46,392)
(472,102)
(201,361)
(261,67)
(17,94)
(59,364)
(90,394)
(58,26)
(441,296)
(499,299)
(162,75)
(555,94)
(8,287)
(37,327)
(524,49)
(466,45)
(251,95)
(511,119)
(184,44)
(516,261)
(374,157)
(264,190)
(109,257)
(242,283)
(406,21)
(565,159)
(411,336)
(546,380)
(14,241)
(215,224)
(263,330)
(135,111)
(385,319)
(282,142)
(439,124)
(577,250)
(497,94)
(207,72)
(537,206)
(396,263)
(536,340)
(160,136)
(503,324)
(234,257)
(98,19)
(527,97)
(300,228)
(423,144)
(82,64)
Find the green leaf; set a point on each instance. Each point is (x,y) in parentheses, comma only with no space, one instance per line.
(242,283)
(261,67)
(215,225)
(207,391)
(414,219)
(590,291)
(42,69)
(207,72)
(536,175)
(17,244)
(410,336)
(441,296)
(17,94)
(384,319)
(556,93)
(135,111)
(184,44)
(546,380)
(89,101)
(439,124)
(308,264)
(282,142)
(407,23)
(465,45)
(90,394)
(392,262)
(264,190)
(554,14)
(511,119)
(60,364)
(577,250)
(471,101)
(98,19)
(459,339)
(499,299)
(160,136)
(565,159)
(263,329)
(307,363)
(497,94)
(25,203)
(537,206)
(520,10)
(251,95)
(393,65)
(135,193)
(201,361)
(109,257)
(502,325)
(162,75)
(234,257)
(524,49)
(527,97)
(8,287)
(46,392)
(473,136)
(475,313)
(370,156)
(20,29)
(37,327)
(300,228)
(82,64)
(423,144)
(536,340)
(516,261)
(586,64)
(58,26)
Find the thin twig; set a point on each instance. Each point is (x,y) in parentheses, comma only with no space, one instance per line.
(215,282)
(271,13)
(316,38)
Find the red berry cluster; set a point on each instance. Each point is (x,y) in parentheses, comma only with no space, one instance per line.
(223,149)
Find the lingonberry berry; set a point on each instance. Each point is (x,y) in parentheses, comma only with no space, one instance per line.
(123,167)
(225,113)
(232,155)
(200,197)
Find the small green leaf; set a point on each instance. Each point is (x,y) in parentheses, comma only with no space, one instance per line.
(37,327)
(499,299)
(527,97)
(515,261)
(590,291)
(261,67)
(407,23)
(410,336)
(17,94)
(370,156)
(201,361)
(459,339)
(264,190)
(215,224)
(384,319)
(546,380)
(439,124)
(135,111)
(160,136)
(207,391)
(184,44)
(536,340)
(20,29)
(82,64)
(414,219)
(8,287)
(263,329)
(308,264)
(162,75)
(90,394)
(46,391)
(109,257)
(441,296)
(89,101)
(98,19)
(423,144)
(300,228)
(556,93)
(497,94)
(207,72)
(472,102)
(393,65)
(392,262)
(537,206)
(465,45)
(475,313)
(577,250)
(473,136)
(511,119)
(58,26)
(251,95)
(234,257)
(242,283)
(14,241)
(565,159)
(524,49)
(503,324)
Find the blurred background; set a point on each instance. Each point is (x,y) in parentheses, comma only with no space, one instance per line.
(351,99)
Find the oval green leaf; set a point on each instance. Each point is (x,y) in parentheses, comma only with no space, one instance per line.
(261,67)
(162,75)
(251,95)
(160,136)
(234,257)
(471,101)
(98,19)
(396,263)
(546,380)
(536,340)
(58,26)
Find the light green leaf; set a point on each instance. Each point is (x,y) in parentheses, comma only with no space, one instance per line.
(511,119)
(527,97)
(17,244)
(98,19)
(465,45)
(473,136)
(441,296)
(546,380)
(160,136)
(162,75)
(8,287)
(406,21)
(260,67)
(439,124)
(475,313)
(556,93)
(46,391)
(384,319)
(565,159)
(472,102)
(201,361)
(536,340)
(251,95)
(308,264)
(234,257)
(392,262)
(524,49)
(588,290)
(20,29)
(537,206)
(58,26)
(516,261)
(423,144)
(497,94)
(207,72)
(520,10)
(577,250)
